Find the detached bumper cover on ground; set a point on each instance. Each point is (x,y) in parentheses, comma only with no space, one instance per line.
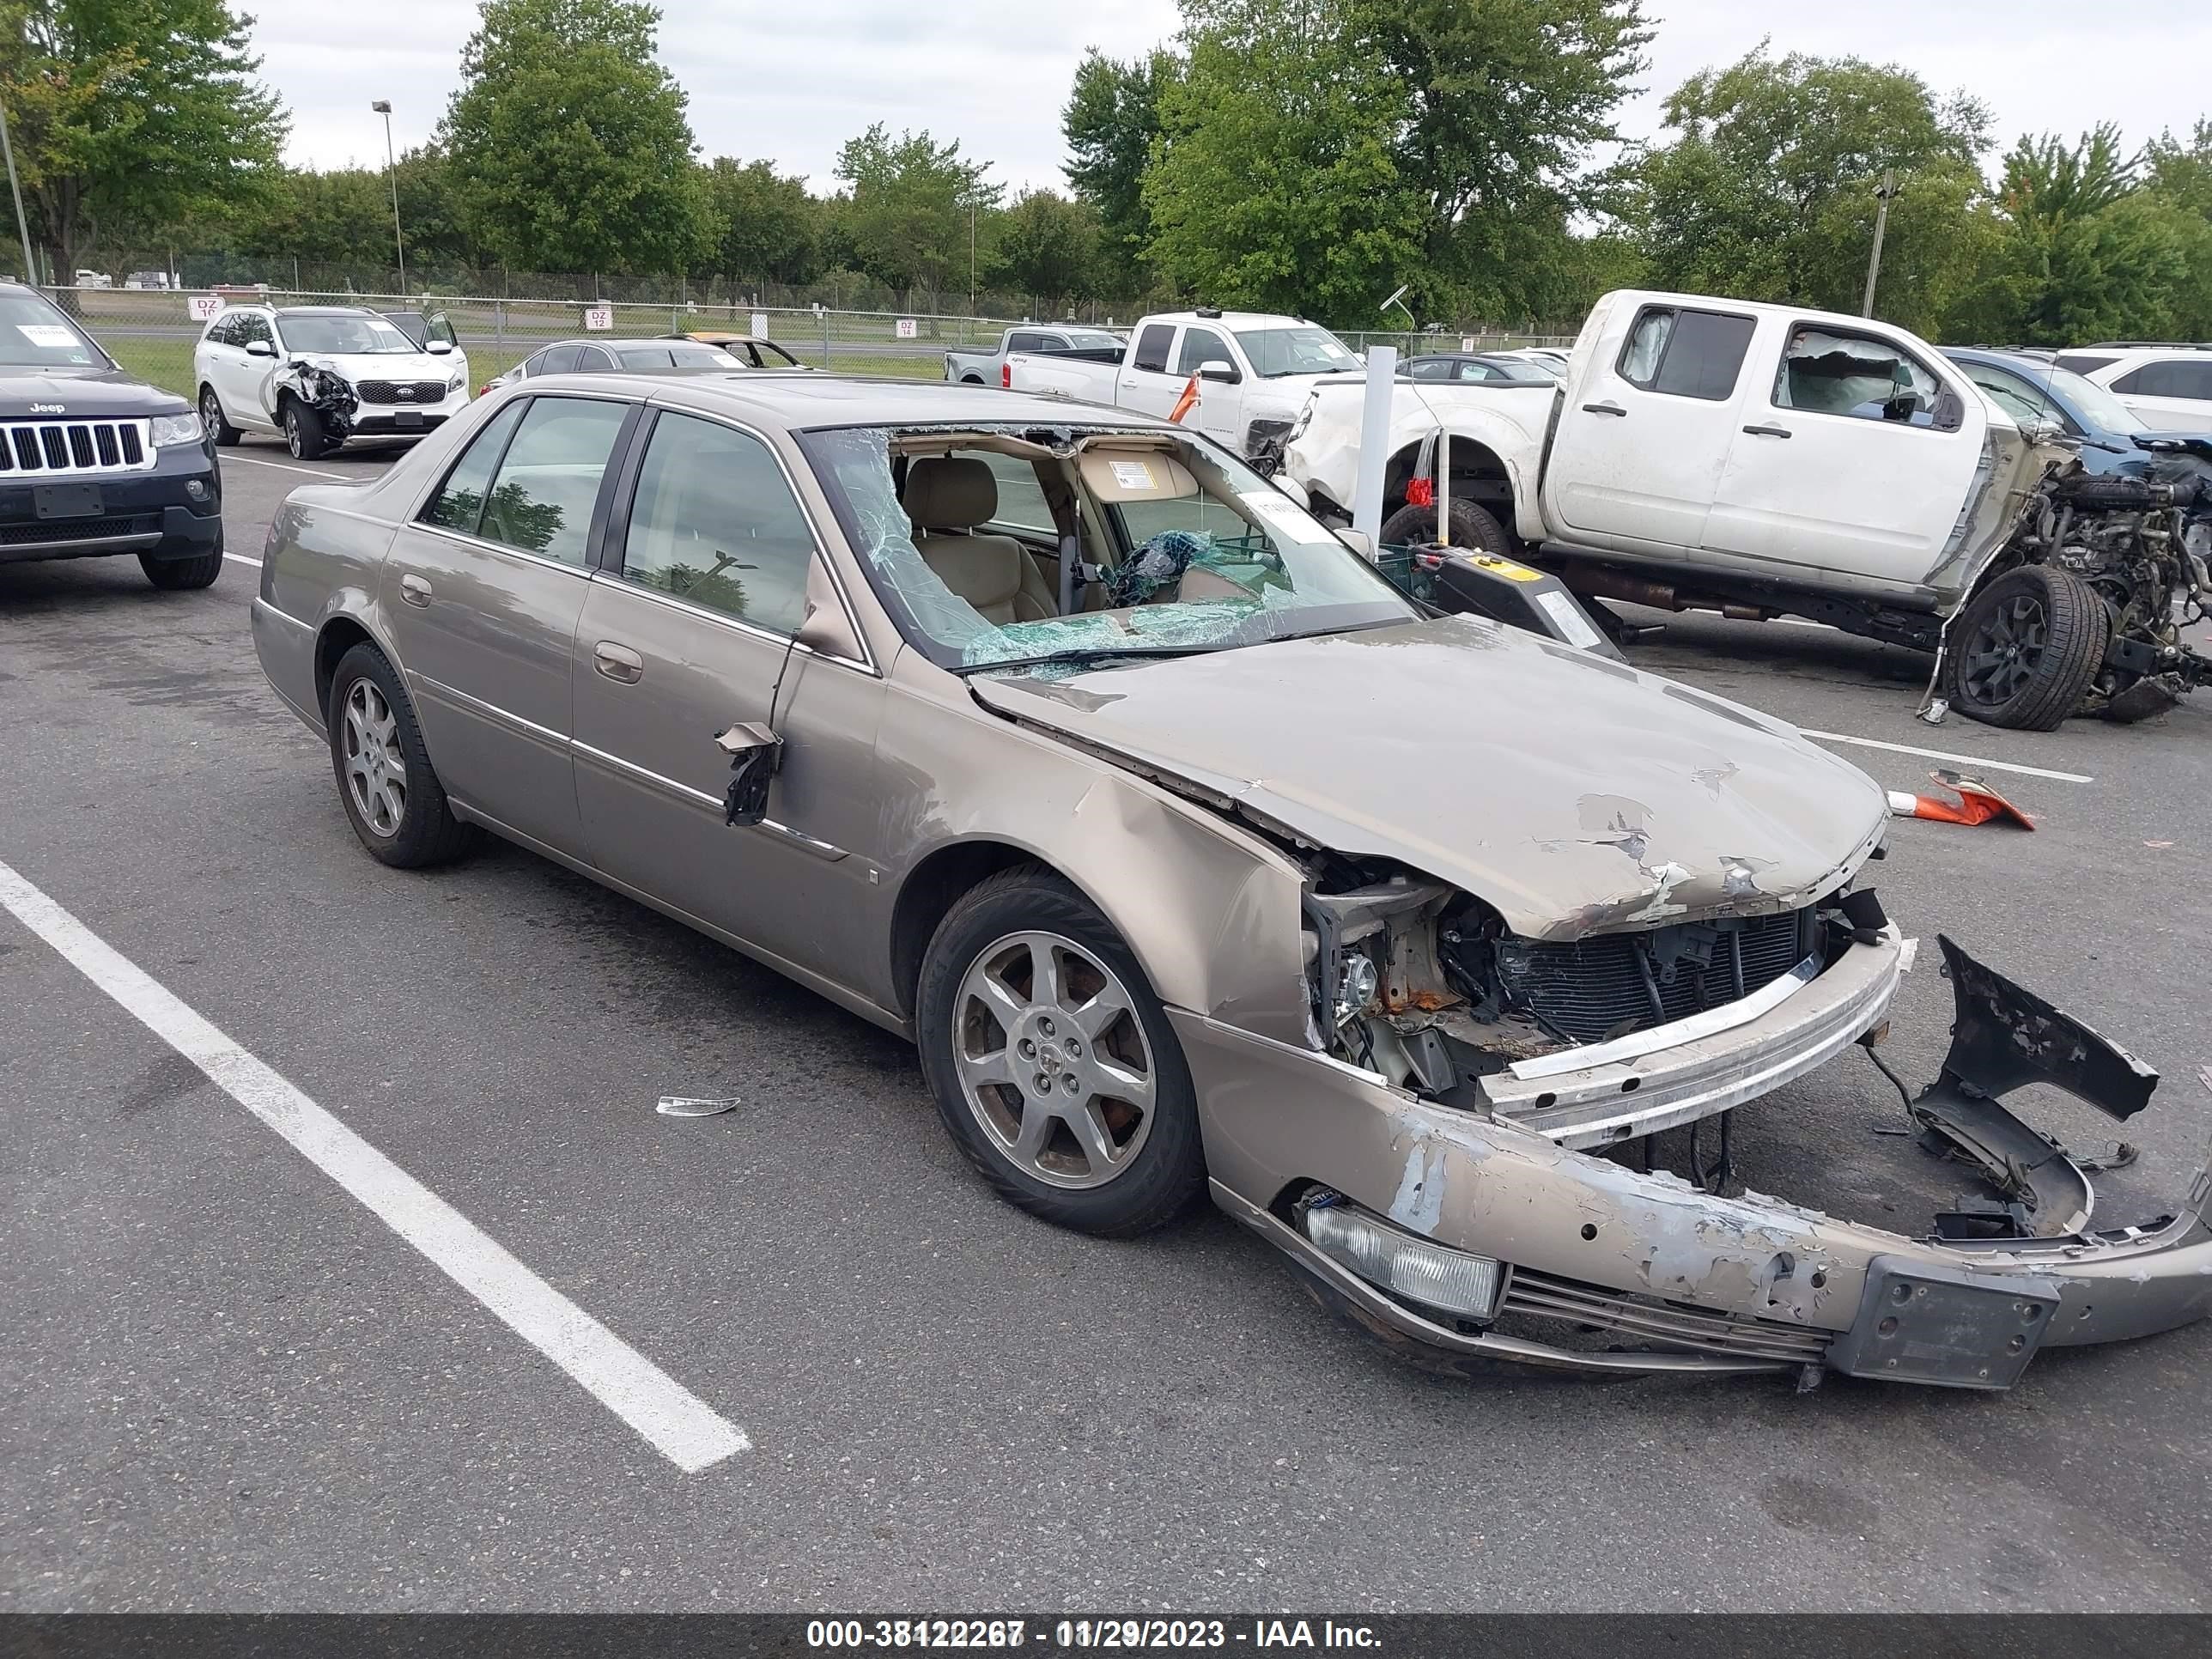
(1678,1279)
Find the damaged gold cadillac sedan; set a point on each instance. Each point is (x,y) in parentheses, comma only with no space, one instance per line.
(1063,744)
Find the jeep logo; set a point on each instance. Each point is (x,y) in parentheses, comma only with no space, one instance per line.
(49,409)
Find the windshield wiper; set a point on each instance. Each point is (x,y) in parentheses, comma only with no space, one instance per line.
(1087,654)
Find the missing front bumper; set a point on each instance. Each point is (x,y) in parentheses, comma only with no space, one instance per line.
(1675,1280)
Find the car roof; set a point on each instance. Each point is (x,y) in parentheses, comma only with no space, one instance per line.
(312,311)
(1228,319)
(801,398)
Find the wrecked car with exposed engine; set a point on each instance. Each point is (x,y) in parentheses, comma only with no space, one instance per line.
(1765,461)
(1063,743)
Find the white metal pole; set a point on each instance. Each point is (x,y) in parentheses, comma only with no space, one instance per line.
(22,226)
(1374,441)
(1444,486)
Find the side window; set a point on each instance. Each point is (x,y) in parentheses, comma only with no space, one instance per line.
(1152,348)
(1021,505)
(714,522)
(1478,371)
(2082,362)
(557,360)
(1018,341)
(2192,380)
(1201,345)
(439,329)
(541,501)
(458,504)
(1829,373)
(637,357)
(1431,369)
(2167,380)
(222,331)
(1686,354)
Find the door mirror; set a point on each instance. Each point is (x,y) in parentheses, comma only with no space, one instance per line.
(825,629)
(1951,410)
(1902,407)
(754,752)
(438,349)
(1214,369)
(259,349)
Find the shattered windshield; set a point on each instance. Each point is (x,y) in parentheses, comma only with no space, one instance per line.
(343,336)
(1178,547)
(1307,350)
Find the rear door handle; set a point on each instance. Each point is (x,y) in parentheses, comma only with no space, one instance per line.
(619,662)
(414,590)
(1603,409)
(1768,431)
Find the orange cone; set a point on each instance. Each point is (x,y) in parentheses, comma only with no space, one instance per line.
(1977,803)
(1187,401)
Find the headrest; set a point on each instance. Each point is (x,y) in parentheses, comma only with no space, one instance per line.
(1136,475)
(951,492)
(984,570)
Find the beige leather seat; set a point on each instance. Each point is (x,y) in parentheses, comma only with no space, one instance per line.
(947,497)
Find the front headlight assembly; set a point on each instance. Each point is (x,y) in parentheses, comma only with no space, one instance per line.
(170,429)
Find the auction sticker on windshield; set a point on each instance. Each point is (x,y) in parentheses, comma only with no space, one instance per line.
(52,335)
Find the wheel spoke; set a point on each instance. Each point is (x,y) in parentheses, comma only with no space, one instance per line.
(1005,1007)
(1093,1134)
(1044,974)
(1095,1016)
(993,1067)
(1119,1083)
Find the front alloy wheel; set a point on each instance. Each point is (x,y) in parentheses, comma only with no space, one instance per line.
(376,765)
(1051,1061)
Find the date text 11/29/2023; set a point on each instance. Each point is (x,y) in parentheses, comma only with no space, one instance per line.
(1109,1633)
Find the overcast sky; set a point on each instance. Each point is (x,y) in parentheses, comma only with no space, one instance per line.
(791,81)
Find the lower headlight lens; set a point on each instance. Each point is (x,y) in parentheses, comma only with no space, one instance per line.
(1420,1269)
(176,430)
(456,384)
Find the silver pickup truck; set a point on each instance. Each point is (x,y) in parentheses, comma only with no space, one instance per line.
(973,366)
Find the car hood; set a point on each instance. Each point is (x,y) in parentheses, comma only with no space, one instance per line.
(382,365)
(92,392)
(1574,794)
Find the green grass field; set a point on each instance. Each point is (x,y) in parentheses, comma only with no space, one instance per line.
(169,362)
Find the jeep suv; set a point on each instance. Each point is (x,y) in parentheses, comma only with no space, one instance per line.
(95,462)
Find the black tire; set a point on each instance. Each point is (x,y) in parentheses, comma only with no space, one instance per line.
(304,434)
(2025,648)
(1472,526)
(427,831)
(212,417)
(1167,1173)
(174,575)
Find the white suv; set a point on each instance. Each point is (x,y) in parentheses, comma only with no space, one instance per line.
(320,374)
(2168,387)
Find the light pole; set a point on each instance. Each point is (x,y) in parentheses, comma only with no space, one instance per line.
(1882,194)
(22,225)
(383,107)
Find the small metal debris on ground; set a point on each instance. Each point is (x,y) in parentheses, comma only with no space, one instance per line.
(686,1106)
(1977,803)
(2161,845)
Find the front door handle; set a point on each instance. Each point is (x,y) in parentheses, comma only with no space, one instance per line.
(619,662)
(1768,431)
(1603,409)
(414,590)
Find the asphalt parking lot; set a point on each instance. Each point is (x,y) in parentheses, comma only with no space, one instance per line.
(230,1386)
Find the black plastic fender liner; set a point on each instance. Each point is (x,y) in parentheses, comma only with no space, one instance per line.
(2003,1037)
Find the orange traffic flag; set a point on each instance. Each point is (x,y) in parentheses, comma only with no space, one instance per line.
(1187,401)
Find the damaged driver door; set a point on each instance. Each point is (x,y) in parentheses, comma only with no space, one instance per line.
(705,579)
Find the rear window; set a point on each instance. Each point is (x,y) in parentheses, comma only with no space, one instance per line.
(1685,354)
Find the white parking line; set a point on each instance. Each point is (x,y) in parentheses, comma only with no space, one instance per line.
(676,1422)
(287,466)
(240,558)
(1975,762)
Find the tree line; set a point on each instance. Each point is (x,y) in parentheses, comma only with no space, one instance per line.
(1302,155)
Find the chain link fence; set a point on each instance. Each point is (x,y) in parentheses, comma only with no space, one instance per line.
(151,331)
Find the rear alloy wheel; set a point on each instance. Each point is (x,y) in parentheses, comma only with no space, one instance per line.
(1053,1062)
(396,804)
(212,417)
(2027,648)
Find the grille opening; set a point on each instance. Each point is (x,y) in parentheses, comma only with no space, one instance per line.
(71,447)
(1592,989)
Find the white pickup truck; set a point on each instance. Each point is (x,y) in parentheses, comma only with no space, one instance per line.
(1254,371)
(1756,459)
